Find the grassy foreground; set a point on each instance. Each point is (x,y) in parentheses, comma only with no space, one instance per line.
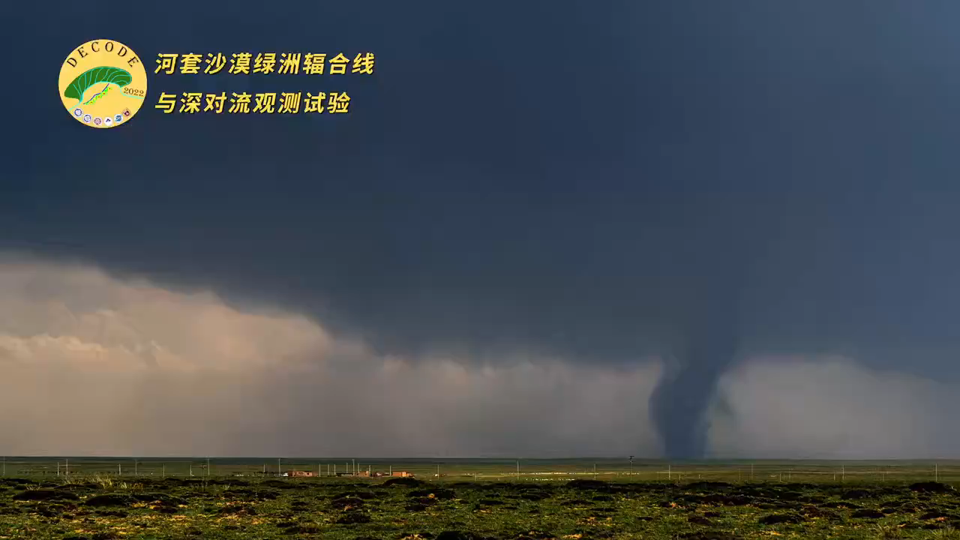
(99,508)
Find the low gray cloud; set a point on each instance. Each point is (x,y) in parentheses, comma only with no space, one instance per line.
(95,364)
(833,407)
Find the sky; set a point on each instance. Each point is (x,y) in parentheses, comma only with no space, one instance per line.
(679,228)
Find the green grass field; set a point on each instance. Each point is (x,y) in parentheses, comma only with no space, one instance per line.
(478,499)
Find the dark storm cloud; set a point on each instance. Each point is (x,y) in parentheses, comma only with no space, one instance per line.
(596,180)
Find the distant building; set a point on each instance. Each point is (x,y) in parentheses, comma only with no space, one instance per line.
(368,474)
(402,474)
(302,473)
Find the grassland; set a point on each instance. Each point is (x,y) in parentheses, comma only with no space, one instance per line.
(691,501)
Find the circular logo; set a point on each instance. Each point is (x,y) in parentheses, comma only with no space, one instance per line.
(106,79)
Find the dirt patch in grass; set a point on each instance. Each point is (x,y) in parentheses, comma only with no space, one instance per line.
(301,528)
(840,505)
(254,494)
(403,482)
(45,495)
(159,498)
(534,495)
(237,510)
(931,487)
(777,519)
(708,486)
(709,535)
(587,484)
(700,520)
(353,518)
(937,515)
(112,513)
(815,512)
(437,493)
(110,499)
(365,495)
(280,484)
(855,494)
(867,513)
(344,503)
